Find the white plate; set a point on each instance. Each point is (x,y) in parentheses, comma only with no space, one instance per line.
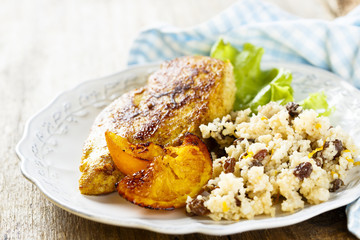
(50,151)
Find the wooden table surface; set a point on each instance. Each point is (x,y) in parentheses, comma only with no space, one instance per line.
(48,46)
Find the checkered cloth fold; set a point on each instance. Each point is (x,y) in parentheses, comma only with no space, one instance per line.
(331,45)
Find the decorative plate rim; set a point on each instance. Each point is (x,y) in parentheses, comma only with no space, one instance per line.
(216,228)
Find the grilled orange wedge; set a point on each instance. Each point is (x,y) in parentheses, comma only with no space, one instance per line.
(170,177)
(131,158)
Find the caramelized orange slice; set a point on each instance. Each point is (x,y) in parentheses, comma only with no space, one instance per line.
(170,178)
(131,158)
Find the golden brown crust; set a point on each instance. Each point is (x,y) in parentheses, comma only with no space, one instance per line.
(183,94)
(176,101)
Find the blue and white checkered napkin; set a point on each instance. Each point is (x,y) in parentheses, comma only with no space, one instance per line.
(331,45)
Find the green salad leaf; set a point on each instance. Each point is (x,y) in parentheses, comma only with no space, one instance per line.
(255,87)
(317,101)
(277,90)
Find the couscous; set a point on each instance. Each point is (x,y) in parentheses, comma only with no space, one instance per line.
(282,155)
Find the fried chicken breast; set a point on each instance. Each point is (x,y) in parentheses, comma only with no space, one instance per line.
(183,94)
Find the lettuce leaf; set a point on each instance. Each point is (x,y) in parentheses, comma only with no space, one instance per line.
(317,101)
(278,90)
(254,86)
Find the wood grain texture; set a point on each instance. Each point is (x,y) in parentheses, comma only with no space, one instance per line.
(48,46)
(345,6)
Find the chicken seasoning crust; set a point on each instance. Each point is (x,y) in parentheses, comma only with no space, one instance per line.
(183,94)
